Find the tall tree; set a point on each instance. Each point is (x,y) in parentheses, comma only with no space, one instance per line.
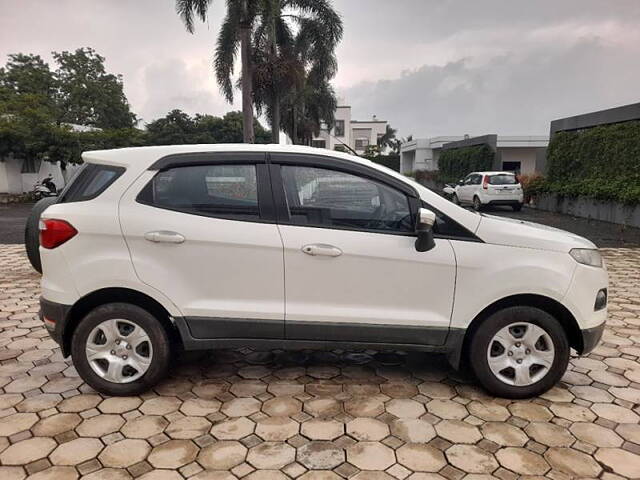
(387,138)
(235,30)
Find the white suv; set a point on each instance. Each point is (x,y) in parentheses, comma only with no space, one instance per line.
(206,246)
(489,188)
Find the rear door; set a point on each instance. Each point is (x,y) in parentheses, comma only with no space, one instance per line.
(201,229)
(352,272)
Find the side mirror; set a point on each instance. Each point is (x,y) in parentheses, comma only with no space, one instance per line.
(424,229)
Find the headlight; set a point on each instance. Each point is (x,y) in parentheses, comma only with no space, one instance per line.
(587,256)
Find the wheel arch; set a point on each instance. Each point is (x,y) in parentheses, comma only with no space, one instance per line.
(116,295)
(547,304)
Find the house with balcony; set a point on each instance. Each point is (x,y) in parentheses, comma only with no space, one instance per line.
(357,134)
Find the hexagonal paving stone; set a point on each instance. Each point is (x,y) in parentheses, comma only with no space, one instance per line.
(108,474)
(447,409)
(76,451)
(173,454)
(572,462)
(504,434)
(100,425)
(549,434)
(457,431)
(572,412)
(160,405)
(124,453)
(320,455)
(413,430)
(323,407)
(471,459)
(399,389)
(12,473)
(620,461)
(531,411)
(271,455)
(421,458)
(248,388)
(233,429)
(629,432)
(366,429)
(18,422)
(276,429)
(56,424)
(79,403)
(188,427)
(119,404)
(522,461)
(282,407)
(27,451)
(490,412)
(200,407)
(437,390)
(596,435)
(615,413)
(145,426)
(405,408)
(222,455)
(55,473)
(240,407)
(370,456)
(39,403)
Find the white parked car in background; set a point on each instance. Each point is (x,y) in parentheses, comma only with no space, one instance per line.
(207,246)
(480,189)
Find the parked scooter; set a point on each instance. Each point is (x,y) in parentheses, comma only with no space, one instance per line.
(45,188)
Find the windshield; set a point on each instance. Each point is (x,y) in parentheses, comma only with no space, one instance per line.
(502,179)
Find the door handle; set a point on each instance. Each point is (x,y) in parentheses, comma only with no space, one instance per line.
(322,249)
(164,236)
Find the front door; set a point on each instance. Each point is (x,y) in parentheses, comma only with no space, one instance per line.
(202,232)
(352,272)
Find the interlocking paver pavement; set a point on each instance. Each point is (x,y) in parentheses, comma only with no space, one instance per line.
(315,415)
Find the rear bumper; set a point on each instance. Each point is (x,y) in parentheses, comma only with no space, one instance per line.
(591,338)
(503,201)
(55,315)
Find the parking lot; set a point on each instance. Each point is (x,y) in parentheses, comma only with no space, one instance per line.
(317,415)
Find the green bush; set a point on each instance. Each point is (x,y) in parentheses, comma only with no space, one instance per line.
(601,162)
(457,163)
(389,161)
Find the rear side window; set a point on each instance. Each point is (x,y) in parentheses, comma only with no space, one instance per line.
(224,191)
(502,179)
(89,182)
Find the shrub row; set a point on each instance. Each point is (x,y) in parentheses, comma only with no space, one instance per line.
(456,163)
(601,162)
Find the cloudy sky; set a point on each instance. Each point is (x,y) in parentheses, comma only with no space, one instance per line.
(429,67)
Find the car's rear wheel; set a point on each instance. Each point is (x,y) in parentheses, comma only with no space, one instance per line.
(32,232)
(519,352)
(517,207)
(477,204)
(120,349)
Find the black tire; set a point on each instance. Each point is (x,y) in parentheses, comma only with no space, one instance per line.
(455,199)
(517,207)
(477,204)
(483,335)
(32,232)
(134,314)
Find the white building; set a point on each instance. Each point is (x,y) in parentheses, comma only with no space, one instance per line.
(522,154)
(357,134)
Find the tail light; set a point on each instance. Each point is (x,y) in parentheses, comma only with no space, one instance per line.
(485,182)
(54,233)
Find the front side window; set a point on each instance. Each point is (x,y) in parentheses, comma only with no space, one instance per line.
(224,191)
(334,199)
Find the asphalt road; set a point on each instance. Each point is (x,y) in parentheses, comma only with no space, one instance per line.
(603,234)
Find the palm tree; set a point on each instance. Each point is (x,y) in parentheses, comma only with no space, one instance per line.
(236,29)
(274,59)
(387,139)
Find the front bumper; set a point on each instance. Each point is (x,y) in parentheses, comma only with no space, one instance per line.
(55,315)
(591,338)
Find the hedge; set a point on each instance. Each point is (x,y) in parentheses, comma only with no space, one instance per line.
(601,162)
(389,161)
(457,163)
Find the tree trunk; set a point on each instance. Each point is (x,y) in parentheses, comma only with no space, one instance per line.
(247,87)
(275,103)
(275,127)
(294,128)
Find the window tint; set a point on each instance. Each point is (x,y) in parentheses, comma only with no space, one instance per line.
(226,191)
(89,182)
(322,197)
(502,179)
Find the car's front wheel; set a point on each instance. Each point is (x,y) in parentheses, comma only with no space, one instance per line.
(120,349)
(519,352)
(455,199)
